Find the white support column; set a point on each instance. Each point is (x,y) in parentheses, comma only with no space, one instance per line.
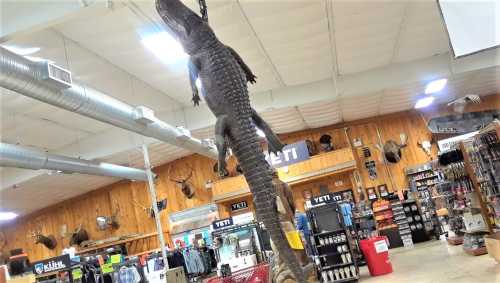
(152,193)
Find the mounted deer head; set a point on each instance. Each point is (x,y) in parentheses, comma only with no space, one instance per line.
(161,205)
(182,183)
(49,241)
(79,236)
(105,222)
(392,150)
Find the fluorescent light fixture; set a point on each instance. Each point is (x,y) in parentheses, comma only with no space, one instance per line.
(435,86)
(6,216)
(164,46)
(260,133)
(424,102)
(23,51)
(198,83)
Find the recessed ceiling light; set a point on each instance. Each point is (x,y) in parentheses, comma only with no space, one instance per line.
(260,133)
(23,51)
(424,102)
(435,86)
(6,216)
(164,46)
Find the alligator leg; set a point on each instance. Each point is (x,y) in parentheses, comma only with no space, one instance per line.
(273,141)
(248,73)
(194,70)
(220,141)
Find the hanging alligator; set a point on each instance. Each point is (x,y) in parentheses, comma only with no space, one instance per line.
(224,77)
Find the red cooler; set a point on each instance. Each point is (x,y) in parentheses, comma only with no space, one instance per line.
(376,252)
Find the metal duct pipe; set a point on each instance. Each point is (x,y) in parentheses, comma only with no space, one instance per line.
(33,79)
(21,157)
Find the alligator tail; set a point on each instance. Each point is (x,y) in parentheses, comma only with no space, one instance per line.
(258,175)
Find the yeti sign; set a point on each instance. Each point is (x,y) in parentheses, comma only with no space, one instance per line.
(51,265)
(292,153)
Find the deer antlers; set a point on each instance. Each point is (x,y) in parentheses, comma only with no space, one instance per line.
(181,180)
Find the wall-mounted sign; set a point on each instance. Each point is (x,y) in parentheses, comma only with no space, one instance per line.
(451,143)
(219,224)
(291,154)
(239,205)
(327,198)
(51,265)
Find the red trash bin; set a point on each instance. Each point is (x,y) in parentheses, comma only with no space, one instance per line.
(376,252)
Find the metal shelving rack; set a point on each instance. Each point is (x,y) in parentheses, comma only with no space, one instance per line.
(334,258)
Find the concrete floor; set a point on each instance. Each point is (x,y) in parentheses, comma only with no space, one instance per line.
(436,262)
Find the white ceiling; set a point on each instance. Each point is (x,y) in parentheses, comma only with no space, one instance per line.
(318,62)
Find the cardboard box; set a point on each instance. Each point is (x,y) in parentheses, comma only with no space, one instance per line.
(493,245)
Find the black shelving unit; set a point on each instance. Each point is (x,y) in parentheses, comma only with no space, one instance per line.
(415,221)
(400,218)
(334,258)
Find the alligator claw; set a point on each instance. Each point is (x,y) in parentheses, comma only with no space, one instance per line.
(196,99)
(251,78)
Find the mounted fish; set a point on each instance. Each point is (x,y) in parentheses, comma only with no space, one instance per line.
(224,76)
(460,103)
(392,150)
(183,183)
(462,123)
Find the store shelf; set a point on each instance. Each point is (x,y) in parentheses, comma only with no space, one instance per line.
(381,209)
(347,279)
(327,245)
(425,178)
(336,265)
(329,232)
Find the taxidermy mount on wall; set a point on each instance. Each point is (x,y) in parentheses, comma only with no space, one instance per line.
(106,222)
(224,76)
(392,150)
(462,123)
(183,183)
(49,241)
(79,236)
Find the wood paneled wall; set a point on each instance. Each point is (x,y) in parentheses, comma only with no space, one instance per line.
(119,197)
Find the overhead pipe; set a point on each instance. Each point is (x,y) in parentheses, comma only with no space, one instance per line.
(51,84)
(27,158)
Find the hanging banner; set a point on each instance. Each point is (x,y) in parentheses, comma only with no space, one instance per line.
(51,265)
(291,154)
(239,205)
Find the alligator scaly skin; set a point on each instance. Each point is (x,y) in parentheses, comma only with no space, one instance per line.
(224,79)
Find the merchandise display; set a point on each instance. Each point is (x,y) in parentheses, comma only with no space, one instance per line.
(334,257)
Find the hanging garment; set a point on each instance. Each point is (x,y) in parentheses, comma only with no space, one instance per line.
(129,275)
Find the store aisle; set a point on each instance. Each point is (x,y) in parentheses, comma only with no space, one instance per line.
(436,262)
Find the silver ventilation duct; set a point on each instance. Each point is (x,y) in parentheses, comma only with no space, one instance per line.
(51,84)
(21,157)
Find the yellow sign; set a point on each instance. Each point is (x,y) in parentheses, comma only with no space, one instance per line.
(116,258)
(294,240)
(77,273)
(107,268)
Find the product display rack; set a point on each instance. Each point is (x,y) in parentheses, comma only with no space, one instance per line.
(423,180)
(415,221)
(334,258)
(482,162)
(400,218)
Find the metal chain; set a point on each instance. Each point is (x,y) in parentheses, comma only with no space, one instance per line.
(203,10)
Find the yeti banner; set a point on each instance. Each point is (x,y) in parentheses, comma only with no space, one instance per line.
(291,154)
(51,265)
